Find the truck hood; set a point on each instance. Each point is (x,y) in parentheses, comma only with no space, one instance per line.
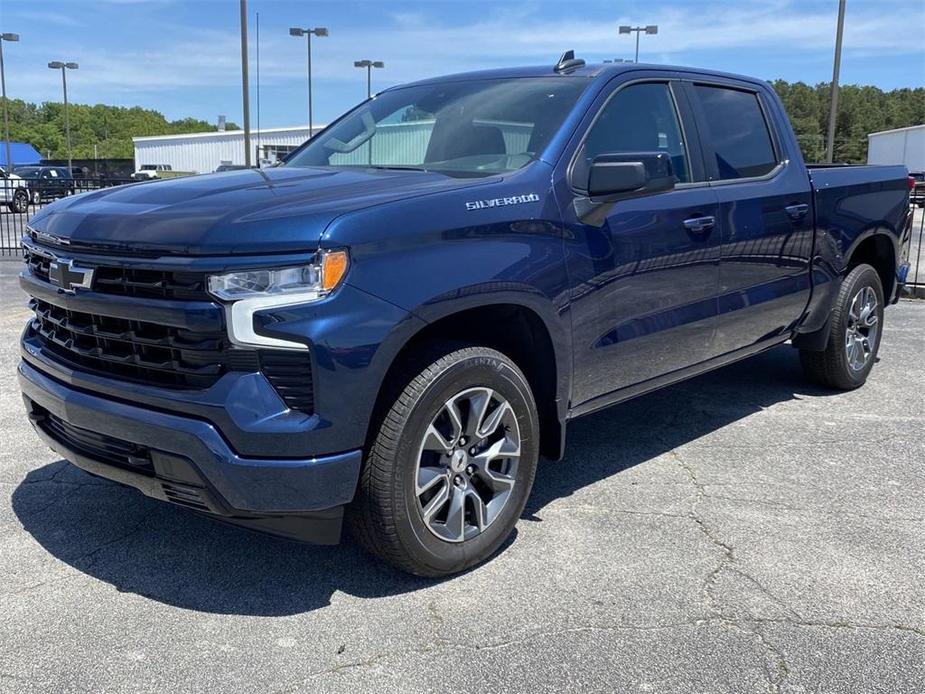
(280,210)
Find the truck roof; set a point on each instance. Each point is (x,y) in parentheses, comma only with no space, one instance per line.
(602,71)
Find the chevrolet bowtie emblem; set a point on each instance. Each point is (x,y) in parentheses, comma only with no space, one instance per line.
(68,276)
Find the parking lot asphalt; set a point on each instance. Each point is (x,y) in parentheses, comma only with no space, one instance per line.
(741,532)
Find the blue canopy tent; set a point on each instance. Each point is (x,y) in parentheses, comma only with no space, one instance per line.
(21,153)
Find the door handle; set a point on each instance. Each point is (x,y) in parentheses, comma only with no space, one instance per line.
(797,212)
(698,225)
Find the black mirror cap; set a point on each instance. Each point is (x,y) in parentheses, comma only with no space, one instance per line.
(614,176)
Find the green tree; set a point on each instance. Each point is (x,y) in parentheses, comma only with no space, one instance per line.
(109,128)
(861,110)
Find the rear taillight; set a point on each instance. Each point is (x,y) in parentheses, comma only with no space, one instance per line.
(911,183)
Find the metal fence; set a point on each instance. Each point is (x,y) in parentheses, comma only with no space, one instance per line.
(916,277)
(20,199)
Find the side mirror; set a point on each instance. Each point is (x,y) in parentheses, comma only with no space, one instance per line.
(615,176)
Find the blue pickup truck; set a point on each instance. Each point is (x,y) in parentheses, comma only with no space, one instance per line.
(391,327)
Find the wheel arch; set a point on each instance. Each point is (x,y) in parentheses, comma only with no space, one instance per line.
(530,335)
(878,249)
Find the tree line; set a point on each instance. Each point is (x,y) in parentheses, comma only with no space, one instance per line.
(99,131)
(861,110)
(106,131)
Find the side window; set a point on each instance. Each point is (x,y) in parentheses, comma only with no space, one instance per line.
(738,132)
(639,118)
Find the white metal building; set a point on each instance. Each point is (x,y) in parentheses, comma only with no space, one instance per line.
(900,146)
(204,152)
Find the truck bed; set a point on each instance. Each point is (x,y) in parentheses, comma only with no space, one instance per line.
(852,200)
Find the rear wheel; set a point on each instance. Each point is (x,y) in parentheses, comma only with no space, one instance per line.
(857,322)
(452,464)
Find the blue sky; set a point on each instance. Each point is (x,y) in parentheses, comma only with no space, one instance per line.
(182,57)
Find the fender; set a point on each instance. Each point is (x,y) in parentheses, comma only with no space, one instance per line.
(890,234)
(486,296)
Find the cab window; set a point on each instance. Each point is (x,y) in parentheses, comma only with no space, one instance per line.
(639,118)
(738,132)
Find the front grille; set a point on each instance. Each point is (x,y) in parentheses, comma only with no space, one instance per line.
(155,354)
(135,350)
(96,446)
(123,281)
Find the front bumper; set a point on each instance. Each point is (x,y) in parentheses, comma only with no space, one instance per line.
(188,462)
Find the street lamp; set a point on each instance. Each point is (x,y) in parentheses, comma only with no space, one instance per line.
(6,118)
(836,67)
(648,29)
(58,65)
(369,65)
(317,31)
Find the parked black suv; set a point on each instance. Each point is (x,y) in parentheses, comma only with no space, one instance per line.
(46,182)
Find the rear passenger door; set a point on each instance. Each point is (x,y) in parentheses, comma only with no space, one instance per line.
(765,219)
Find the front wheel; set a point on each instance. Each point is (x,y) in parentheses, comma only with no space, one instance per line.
(452,464)
(20,202)
(857,325)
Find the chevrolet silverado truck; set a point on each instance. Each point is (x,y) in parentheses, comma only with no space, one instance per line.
(388,330)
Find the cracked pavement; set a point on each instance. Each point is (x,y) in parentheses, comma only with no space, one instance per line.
(742,532)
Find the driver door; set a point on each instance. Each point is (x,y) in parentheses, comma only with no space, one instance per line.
(643,271)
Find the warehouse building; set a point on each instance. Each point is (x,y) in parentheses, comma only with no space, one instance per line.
(901,146)
(205,152)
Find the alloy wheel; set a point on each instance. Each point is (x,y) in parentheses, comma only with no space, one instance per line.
(863,326)
(467,464)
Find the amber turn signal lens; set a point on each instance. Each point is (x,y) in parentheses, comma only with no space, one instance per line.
(333,268)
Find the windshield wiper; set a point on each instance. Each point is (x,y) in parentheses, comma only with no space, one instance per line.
(396,167)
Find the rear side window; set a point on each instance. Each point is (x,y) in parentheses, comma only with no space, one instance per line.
(639,118)
(738,132)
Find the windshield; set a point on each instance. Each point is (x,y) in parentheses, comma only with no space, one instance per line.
(29,172)
(472,128)
(149,167)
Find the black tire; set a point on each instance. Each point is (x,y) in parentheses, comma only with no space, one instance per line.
(832,367)
(20,202)
(386,517)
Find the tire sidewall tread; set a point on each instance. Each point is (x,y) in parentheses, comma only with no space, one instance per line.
(830,367)
(384,517)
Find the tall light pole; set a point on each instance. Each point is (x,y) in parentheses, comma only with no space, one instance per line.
(58,65)
(244,86)
(317,31)
(6,117)
(648,29)
(369,65)
(836,68)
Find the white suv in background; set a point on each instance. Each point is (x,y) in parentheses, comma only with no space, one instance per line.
(13,192)
(149,171)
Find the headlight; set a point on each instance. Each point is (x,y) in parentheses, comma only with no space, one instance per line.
(248,291)
(311,281)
